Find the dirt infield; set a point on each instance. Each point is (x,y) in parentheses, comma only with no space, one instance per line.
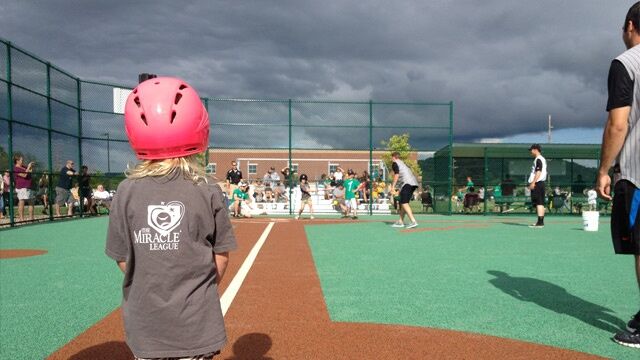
(19,253)
(280,313)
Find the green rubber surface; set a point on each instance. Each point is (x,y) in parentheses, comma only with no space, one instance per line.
(559,286)
(47,300)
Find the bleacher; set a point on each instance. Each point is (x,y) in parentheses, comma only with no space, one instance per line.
(320,205)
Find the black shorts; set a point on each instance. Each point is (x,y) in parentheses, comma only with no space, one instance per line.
(537,194)
(625,232)
(406,193)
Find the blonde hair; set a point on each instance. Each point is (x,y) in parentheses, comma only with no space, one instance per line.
(187,165)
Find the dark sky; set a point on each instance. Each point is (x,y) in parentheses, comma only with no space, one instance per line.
(505,64)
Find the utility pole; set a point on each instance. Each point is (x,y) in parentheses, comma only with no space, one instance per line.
(550,127)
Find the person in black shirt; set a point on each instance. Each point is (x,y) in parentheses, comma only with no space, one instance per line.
(84,184)
(234,176)
(63,190)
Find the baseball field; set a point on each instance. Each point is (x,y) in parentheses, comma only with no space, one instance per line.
(454,287)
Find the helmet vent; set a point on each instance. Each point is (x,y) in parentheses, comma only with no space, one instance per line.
(135,91)
(182,87)
(137,101)
(178,97)
(144,119)
(173,116)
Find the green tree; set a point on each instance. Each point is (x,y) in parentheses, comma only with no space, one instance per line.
(400,143)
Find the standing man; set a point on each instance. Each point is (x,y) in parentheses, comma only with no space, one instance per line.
(233,178)
(407,182)
(351,185)
(63,190)
(620,144)
(536,183)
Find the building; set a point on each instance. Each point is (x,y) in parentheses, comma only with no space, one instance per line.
(254,163)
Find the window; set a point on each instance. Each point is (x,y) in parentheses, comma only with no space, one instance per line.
(333,167)
(294,168)
(252,169)
(210,168)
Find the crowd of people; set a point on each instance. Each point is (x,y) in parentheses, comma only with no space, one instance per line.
(345,189)
(70,191)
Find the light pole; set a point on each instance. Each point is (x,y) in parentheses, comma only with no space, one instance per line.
(108,153)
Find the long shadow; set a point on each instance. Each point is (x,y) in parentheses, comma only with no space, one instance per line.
(513,223)
(112,350)
(251,346)
(556,299)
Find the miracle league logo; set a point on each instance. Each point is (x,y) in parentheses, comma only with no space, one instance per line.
(163,219)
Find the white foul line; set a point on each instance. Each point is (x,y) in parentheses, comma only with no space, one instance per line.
(230,293)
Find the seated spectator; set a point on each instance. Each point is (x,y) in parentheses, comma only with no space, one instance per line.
(338,175)
(507,186)
(578,186)
(258,191)
(471,200)
(241,203)
(427,200)
(102,197)
(592,199)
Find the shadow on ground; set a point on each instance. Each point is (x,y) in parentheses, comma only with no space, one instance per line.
(251,346)
(556,299)
(112,350)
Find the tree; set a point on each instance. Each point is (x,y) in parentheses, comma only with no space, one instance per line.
(400,143)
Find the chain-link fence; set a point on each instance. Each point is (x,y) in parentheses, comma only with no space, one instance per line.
(60,122)
(493,178)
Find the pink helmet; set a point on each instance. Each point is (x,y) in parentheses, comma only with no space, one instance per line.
(165,118)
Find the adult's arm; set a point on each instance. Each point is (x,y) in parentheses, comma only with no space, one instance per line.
(615,132)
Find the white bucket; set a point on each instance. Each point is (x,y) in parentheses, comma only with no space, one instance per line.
(590,220)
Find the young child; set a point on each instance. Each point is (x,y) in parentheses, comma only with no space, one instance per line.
(169,231)
(305,198)
(351,185)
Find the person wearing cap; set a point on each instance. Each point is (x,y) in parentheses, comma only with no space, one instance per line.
(241,200)
(536,183)
(305,196)
(351,185)
(620,147)
(407,183)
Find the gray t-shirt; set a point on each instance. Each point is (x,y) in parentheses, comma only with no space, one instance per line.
(167,229)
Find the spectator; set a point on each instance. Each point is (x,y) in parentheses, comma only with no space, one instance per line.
(471,200)
(469,183)
(508,186)
(267,179)
(276,186)
(22,179)
(84,183)
(6,187)
(43,191)
(592,199)
(578,186)
(258,191)
(365,190)
(101,197)
(234,176)
(427,200)
(63,190)
(338,175)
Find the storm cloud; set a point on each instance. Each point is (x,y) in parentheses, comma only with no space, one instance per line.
(506,65)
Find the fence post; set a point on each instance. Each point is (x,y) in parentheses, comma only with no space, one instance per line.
(450,185)
(12,219)
(49,143)
(290,162)
(484,181)
(370,157)
(79,109)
